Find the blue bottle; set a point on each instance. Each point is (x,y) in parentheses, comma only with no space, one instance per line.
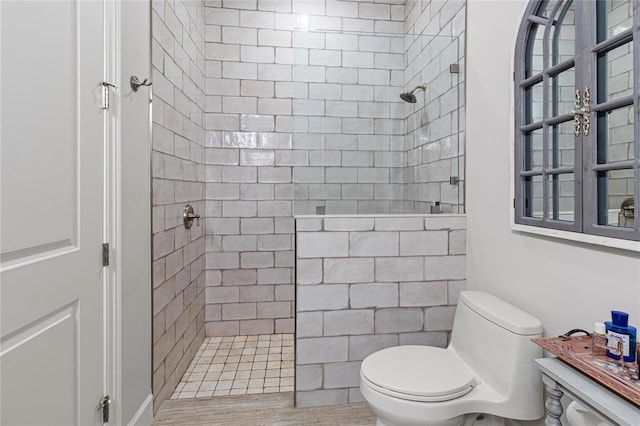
(619,327)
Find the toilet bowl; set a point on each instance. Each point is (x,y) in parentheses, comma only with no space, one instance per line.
(487,368)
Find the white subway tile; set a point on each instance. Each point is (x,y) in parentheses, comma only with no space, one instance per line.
(373,295)
(287,21)
(275,5)
(309,7)
(239,174)
(274,106)
(325,23)
(308,174)
(347,322)
(333,244)
(358,25)
(222,121)
(231,104)
(395,269)
(341,42)
(325,91)
(312,40)
(284,89)
(213,33)
(394,320)
(274,209)
(257,157)
(342,75)
(308,107)
(348,9)
(325,125)
(358,59)
(257,19)
(322,297)
(284,55)
(257,191)
(432,293)
(439,318)
(309,271)
(309,324)
(348,270)
(342,175)
(357,125)
(357,93)
(258,123)
(257,54)
(445,267)
(309,73)
(239,70)
(342,108)
(458,241)
(220,86)
(325,57)
(274,72)
(237,35)
(267,37)
(257,88)
(240,4)
(388,27)
(256,226)
(374,11)
(376,77)
(374,44)
(373,244)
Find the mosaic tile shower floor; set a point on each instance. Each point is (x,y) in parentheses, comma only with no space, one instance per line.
(239,365)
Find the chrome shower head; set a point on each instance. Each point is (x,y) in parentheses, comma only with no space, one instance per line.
(410,97)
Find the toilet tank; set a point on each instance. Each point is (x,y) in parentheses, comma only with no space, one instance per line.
(494,339)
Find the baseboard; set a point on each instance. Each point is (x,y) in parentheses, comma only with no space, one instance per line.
(144,415)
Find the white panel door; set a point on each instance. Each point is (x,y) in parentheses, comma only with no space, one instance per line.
(51,189)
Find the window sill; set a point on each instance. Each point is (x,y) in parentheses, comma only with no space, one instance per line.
(582,238)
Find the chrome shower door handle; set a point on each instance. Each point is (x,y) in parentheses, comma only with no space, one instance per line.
(136,83)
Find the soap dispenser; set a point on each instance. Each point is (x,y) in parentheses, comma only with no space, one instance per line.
(620,329)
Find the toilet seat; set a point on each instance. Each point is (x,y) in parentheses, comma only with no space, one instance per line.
(426,374)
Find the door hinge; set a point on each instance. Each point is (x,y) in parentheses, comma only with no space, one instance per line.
(104,406)
(105,93)
(105,254)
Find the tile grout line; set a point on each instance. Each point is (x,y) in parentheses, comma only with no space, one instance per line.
(239,365)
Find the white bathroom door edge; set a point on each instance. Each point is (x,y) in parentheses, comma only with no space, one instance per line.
(112,371)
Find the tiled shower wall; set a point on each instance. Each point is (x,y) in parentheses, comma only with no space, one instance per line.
(266,81)
(305,91)
(435,136)
(368,283)
(178,178)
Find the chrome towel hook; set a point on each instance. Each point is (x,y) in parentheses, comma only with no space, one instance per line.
(135,83)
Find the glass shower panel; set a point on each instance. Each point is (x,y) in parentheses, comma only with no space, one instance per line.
(359,148)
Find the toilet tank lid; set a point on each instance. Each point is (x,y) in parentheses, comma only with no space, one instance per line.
(501,313)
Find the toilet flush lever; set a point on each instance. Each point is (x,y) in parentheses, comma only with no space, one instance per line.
(136,83)
(188,216)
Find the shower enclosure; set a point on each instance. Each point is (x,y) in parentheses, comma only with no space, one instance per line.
(268,112)
(378,143)
(360,146)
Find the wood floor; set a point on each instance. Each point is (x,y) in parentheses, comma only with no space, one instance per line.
(261,409)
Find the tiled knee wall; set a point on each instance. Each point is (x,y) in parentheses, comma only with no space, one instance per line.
(368,283)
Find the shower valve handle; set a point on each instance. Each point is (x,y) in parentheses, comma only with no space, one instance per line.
(188,215)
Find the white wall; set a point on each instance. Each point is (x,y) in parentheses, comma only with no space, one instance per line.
(565,284)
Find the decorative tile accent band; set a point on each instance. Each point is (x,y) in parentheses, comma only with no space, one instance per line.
(367,283)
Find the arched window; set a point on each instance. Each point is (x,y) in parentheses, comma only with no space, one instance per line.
(577,116)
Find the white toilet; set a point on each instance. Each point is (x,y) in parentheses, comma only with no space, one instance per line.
(487,369)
